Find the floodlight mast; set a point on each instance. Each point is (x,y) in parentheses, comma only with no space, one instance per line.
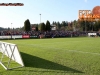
(40,18)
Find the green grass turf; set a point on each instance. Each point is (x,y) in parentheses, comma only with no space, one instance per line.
(57,56)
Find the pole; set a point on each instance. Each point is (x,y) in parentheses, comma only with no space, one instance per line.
(85,25)
(40,18)
(11,25)
(11,30)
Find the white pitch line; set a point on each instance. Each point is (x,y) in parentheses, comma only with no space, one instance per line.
(37,45)
(84,52)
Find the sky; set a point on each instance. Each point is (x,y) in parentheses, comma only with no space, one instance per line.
(52,10)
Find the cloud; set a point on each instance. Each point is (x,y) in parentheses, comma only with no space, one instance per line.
(85,1)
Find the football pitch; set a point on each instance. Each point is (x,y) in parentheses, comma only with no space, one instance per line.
(57,56)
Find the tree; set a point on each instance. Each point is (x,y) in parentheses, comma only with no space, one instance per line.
(58,25)
(63,23)
(98,24)
(70,28)
(74,25)
(36,28)
(88,25)
(66,23)
(53,23)
(42,27)
(27,26)
(8,28)
(95,26)
(48,27)
(83,25)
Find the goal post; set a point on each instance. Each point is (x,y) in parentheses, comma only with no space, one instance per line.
(10,53)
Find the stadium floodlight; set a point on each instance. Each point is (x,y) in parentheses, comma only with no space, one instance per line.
(9,52)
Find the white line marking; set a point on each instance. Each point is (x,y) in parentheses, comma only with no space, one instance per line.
(37,45)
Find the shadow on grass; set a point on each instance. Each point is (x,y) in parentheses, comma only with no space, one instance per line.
(37,62)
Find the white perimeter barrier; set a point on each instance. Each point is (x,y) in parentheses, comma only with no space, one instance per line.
(16,36)
(9,37)
(11,51)
(5,37)
(92,34)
